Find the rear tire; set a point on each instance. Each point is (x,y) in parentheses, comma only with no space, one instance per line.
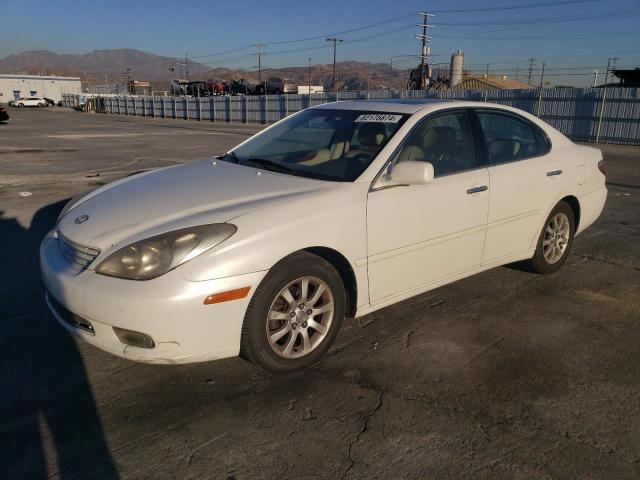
(555,240)
(41,105)
(21,105)
(285,332)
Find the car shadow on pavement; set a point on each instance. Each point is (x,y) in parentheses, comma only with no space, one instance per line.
(50,425)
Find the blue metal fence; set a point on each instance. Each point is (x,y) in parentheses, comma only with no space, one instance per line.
(593,114)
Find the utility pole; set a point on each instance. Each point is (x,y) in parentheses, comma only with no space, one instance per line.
(487,71)
(335,43)
(426,49)
(180,62)
(127,75)
(610,67)
(595,78)
(186,65)
(309,75)
(531,60)
(540,93)
(606,77)
(516,71)
(259,53)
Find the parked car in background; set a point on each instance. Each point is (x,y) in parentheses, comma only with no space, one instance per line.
(49,102)
(30,102)
(197,89)
(242,87)
(217,87)
(337,210)
(4,115)
(277,86)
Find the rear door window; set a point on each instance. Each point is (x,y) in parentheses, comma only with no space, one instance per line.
(510,137)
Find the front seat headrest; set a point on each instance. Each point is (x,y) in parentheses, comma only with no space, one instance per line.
(372,134)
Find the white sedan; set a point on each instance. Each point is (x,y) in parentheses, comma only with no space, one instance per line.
(30,102)
(338,210)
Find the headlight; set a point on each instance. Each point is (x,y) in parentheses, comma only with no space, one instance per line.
(157,255)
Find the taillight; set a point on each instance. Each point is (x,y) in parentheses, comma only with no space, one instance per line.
(602,166)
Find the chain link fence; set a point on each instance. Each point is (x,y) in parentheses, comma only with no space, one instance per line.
(607,115)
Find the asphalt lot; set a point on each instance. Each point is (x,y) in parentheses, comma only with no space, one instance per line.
(502,375)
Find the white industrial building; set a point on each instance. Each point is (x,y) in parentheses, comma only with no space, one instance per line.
(12,87)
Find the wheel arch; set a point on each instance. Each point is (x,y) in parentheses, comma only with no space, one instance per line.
(574,203)
(344,268)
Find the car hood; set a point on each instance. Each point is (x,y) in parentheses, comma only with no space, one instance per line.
(166,199)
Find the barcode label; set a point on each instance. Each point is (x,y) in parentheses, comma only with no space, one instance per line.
(379,117)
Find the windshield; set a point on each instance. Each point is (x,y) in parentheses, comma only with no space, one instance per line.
(335,145)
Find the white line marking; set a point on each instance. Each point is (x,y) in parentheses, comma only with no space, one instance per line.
(116,135)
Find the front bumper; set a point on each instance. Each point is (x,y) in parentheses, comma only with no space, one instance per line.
(169,309)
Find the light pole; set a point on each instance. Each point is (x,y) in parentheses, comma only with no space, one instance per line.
(595,78)
(335,42)
(309,75)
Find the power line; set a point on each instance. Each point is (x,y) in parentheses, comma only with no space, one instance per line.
(515,7)
(546,20)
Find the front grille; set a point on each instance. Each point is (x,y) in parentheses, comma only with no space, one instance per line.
(76,253)
(69,317)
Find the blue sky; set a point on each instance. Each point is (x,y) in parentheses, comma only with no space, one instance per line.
(572,39)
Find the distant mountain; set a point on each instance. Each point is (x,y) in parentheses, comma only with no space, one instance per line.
(97,66)
(109,66)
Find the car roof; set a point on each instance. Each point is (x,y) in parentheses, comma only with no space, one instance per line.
(404,105)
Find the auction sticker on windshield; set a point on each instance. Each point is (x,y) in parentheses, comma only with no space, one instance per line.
(379,117)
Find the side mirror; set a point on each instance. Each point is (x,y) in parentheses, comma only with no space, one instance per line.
(412,172)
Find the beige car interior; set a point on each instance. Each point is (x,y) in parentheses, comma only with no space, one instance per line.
(371,136)
(439,146)
(504,149)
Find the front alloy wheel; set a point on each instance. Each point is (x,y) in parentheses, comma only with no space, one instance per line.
(300,317)
(294,315)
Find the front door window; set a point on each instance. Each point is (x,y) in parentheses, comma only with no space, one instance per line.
(445,141)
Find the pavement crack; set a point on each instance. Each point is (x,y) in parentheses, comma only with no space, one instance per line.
(407,338)
(609,262)
(365,426)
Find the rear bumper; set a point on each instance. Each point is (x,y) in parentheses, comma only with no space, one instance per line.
(169,309)
(591,206)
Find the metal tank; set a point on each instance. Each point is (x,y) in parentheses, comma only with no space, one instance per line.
(457,65)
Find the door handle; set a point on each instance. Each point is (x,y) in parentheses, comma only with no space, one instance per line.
(481,188)
(553,173)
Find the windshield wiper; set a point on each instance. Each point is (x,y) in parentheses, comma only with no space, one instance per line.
(273,166)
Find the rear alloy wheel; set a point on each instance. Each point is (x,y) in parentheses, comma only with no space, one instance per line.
(294,315)
(555,241)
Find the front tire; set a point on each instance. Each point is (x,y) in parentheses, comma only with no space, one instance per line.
(555,241)
(294,315)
